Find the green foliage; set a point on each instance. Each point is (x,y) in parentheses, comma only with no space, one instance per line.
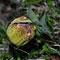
(33,54)
(44,25)
(45,28)
(33,17)
(51,5)
(6,55)
(3,28)
(30,2)
(18,58)
(40,24)
(46,48)
(1,58)
(50,22)
(46,57)
(26,2)
(3,35)
(48,51)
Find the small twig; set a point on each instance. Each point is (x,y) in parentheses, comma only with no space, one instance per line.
(57,45)
(54,50)
(51,41)
(19,49)
(22,51)
(49,55)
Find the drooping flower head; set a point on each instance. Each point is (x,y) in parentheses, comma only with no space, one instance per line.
(20,33)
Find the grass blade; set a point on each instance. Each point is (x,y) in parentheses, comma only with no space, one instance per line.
(51,5)
(32,16)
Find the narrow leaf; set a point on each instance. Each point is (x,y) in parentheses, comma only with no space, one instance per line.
(3,28)
(32,16)
(44,27)
(42,19)
(18,58)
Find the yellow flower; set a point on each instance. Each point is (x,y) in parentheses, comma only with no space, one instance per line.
(20,33)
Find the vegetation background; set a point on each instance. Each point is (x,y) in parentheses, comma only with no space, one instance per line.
(44,45)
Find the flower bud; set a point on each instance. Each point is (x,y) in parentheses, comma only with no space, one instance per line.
(20,33)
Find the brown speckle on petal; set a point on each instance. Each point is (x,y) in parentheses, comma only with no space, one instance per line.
(32,26)
(23,18)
